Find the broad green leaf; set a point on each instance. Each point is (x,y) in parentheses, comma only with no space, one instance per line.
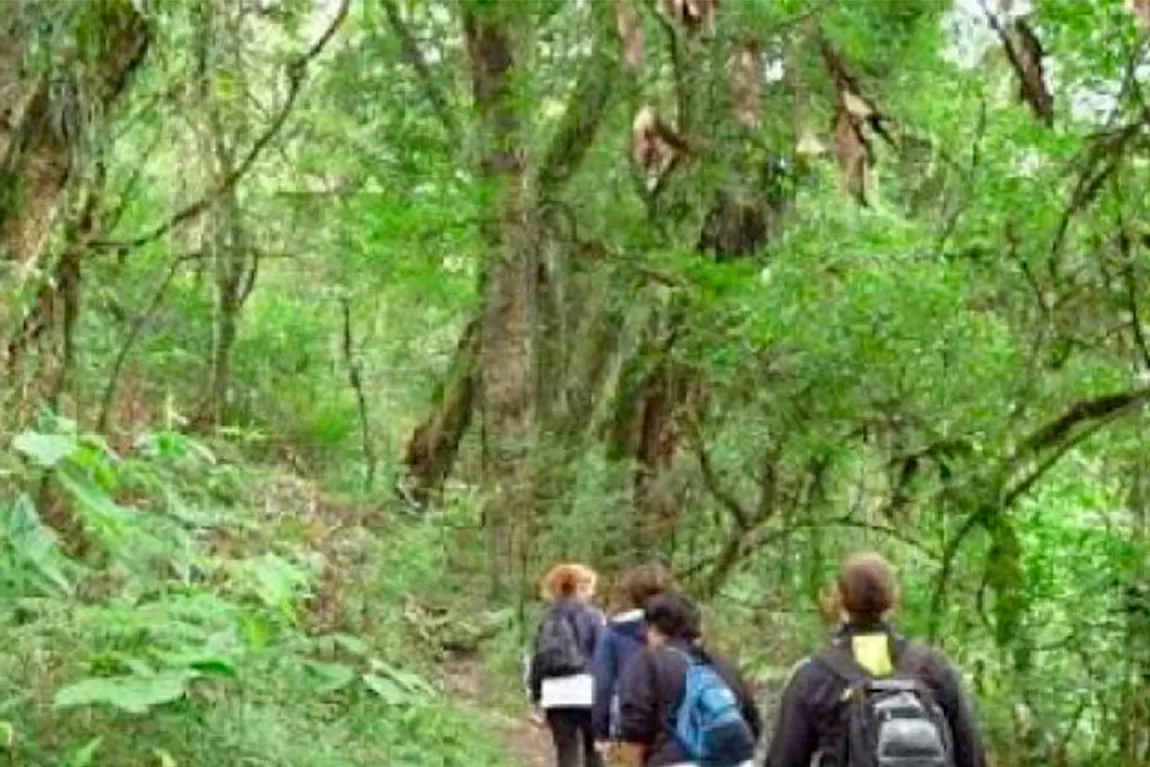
(409,681)
(84,756)
(205,662)
(134,694)
(330,676)
(34,543)
(47,450)
(352,644)
(391,693)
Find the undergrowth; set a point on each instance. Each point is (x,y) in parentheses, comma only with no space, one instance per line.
(184,610)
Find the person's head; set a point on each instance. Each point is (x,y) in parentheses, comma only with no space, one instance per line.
(641,584)
(569,581)
(867,588)
(671,617)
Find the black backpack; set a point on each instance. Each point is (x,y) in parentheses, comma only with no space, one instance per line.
(558,651)
(892,721)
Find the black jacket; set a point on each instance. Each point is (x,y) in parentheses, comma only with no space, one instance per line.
(651,691)
(810,712)
(588,624)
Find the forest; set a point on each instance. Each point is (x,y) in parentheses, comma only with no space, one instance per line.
(329,325)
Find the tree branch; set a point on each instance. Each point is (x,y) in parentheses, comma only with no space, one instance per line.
(418,62)
(355,379)
(711,481)
(585,110)
(1130,284)
(109,397)
(296,76)
(1051,434)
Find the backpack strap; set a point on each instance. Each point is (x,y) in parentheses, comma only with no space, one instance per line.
(690,659)
(841,661)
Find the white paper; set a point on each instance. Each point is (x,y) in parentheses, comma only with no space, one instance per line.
(568,692)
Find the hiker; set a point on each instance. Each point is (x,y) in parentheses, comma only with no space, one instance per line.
(623,639)
(680,704)
(874,698)
(559,675)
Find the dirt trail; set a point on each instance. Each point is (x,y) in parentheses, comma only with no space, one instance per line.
(526,744)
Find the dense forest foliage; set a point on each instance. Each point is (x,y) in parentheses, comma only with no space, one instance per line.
(328,325)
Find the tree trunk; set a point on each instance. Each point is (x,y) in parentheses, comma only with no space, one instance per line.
(40,128)
(231,255)
(506,376)
(433,445)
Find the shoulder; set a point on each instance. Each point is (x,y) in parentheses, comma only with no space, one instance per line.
(920,656)
(931,665)
(804,672)
(644,662)
(594,614)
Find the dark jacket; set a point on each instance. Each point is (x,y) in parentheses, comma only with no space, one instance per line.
(651,692)
(810,713)
(588,624)
(620,642)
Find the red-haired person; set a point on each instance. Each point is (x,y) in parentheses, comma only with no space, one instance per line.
(873,697)
(559,676)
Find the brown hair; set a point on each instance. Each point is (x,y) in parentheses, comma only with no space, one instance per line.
(569,580)
(867,586)
(639,584)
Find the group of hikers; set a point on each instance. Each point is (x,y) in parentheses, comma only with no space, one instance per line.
(643,689)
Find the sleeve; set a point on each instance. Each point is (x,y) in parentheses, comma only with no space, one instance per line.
(795,739)
(750,709)
(605,670)
(534,678)
(969,750)
(638,702)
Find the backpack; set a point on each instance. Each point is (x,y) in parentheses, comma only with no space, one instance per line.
(557,649)
(892,721)
(709,726)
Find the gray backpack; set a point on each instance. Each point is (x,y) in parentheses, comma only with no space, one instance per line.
(558,650)
(892,721)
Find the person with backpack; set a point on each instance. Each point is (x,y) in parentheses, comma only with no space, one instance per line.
(621,641)
(874,698)
(680,704)
(559,671)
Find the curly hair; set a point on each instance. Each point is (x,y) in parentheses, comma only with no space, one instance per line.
(569,580)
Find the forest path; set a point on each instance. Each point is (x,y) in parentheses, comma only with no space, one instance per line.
(527,744)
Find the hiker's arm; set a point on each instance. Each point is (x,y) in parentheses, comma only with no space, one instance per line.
(535,682)
(534,679)
(795,741)
(750,710)
(603,666)
(969,750)
(638,704)
(747,705)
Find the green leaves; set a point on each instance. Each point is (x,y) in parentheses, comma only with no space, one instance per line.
(134,694)
(46,450)
(28,543)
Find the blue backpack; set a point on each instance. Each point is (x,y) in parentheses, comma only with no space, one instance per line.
(709,725)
